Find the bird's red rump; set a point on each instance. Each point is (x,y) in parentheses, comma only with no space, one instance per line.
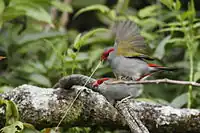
(102,80)
(154,65)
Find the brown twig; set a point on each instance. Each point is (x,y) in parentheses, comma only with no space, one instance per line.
(157,81)
(65,16)
(53,12)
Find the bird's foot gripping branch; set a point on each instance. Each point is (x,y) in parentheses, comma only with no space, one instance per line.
(44,107)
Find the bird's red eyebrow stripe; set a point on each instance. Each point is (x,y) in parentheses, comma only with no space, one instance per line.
(153,65)
(110,50)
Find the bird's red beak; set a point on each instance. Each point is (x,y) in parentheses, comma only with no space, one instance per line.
(105,54)
(95,84)
(103,58)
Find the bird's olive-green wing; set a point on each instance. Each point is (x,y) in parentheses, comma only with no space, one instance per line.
(129,42)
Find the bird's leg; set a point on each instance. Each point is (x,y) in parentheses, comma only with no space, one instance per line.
(121,78)
(116,76)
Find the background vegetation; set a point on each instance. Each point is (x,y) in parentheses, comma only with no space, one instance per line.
(44,40)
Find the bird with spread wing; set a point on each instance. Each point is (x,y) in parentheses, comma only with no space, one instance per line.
(128,58)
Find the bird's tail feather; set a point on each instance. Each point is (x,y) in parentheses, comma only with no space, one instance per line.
(156,67)
(167,68)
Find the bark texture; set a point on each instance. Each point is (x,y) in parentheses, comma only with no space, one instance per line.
(44,107)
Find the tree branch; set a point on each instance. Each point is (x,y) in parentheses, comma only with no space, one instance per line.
(157,81)
(44,107)
(135,124)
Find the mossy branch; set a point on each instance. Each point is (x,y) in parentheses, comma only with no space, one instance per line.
(43,107)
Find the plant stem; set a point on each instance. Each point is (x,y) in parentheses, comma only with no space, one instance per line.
(73,66)
(74,61)
(122,6)
(189,42)
(190,49)
(191,79)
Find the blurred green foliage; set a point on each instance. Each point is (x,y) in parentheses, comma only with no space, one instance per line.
(44,40)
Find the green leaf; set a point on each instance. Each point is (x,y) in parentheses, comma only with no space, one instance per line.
(171,29)
(71,53)
(34,11)
(62,6)
(5,88)
(56,50)
(36,66)
(80,40)
(167,3)
(148,35)
(176,40)
(98,7)
(177,5)
(150,23)
(94,56)
(12,113)
(112,15)
(28,125)
(122,6)
(80,56)
(92,32)
(29,37)
(160,50)
(180,100)
(2,6)
(11,13)
(176,23)
(39,2)
(29,128)
(16,127)
(186,15)
(196,76)
(191,8)
(40,79)
(77,41)
(196,25)
(197,37)
(149,11)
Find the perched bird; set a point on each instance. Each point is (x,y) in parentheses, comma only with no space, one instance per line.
(116,92)
(128,58)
